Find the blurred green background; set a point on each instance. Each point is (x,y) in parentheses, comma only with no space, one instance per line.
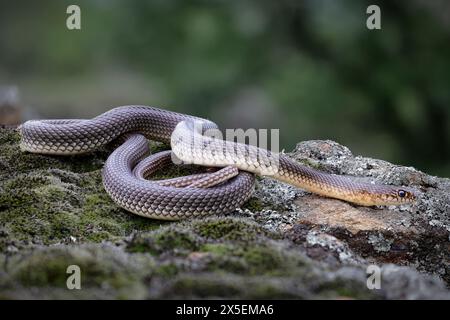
(310,68)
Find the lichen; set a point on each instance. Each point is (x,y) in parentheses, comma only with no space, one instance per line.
(380,243)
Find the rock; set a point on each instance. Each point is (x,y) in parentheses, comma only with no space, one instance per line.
(284,243)
(414,235)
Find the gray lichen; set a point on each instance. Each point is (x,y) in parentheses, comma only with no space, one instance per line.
(379,243)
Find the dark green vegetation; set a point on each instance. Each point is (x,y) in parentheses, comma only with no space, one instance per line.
(310,68)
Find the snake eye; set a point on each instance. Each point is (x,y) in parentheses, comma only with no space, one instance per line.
(401,193)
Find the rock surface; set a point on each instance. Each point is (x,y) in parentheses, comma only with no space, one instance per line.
(284,243)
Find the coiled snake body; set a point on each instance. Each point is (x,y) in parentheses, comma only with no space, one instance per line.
(124,174)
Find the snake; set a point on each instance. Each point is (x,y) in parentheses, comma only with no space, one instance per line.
(229,184)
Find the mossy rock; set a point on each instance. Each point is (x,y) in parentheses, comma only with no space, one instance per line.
(54,212)
(50,200)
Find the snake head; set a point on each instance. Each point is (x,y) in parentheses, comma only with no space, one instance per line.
(400,195)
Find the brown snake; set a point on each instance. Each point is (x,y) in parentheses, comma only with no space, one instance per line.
(124,174)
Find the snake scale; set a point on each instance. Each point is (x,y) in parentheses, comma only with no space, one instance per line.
(127,168)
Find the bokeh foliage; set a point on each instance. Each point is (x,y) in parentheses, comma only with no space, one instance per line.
(310,68)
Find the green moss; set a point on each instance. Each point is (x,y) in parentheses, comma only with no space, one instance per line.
(175,240)
(262,259)
(40,273)
(156,147)
(230,229)
(252,259)
(201,287)
(166,270)
(167,240)
(48,267)
(254,204)
(9,137)
(218,248)
(231,244)
(344,289)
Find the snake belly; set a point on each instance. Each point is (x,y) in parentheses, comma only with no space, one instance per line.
(188,140)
